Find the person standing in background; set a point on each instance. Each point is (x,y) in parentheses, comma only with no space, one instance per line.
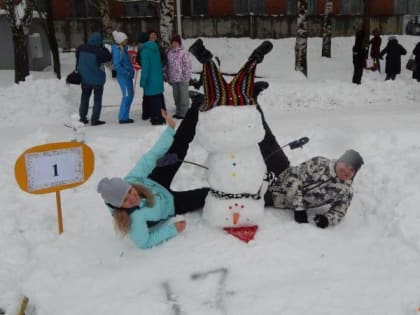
(153,37)
(393,52)
(416,53)
(121,62)
(359,56)
(375,48)
(152,81)
(90,64)
(178,74)
(145,113)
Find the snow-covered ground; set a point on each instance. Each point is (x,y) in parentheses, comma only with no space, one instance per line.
(366,265)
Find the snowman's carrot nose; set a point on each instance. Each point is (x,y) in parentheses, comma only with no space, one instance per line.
(235,217)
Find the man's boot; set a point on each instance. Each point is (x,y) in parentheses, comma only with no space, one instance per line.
(198,50)
(259,52)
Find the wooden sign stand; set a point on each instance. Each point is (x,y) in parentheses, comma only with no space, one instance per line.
(54,167)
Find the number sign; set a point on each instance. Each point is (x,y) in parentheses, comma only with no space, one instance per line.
(54,166)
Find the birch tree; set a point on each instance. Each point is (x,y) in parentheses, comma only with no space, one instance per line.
(103,8)
(166,10)
(20,18)
(326,29)
(301,37)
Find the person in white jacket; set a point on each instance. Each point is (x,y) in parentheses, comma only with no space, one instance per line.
(178,74)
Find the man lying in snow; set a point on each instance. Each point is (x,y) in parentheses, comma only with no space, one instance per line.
(316,182)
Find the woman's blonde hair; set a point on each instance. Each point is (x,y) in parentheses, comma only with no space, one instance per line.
(122,219)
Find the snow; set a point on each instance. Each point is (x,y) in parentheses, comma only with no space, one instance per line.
(368,264)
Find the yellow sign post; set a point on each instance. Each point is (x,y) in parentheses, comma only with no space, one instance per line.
(53,167)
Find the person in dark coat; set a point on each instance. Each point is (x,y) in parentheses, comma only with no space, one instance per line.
(359,57)
(90,64)
(393,51)
(375,48)
(416,52)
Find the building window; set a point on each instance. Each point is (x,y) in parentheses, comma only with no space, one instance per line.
(85,8)
(194,7)
(246,7)
(140,9)
(291,7)
(414,7)
(312,7)
(407,7)
(351,7)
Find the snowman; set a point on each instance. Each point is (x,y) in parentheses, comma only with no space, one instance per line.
(229,129)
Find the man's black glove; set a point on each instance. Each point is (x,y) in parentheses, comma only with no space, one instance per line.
(321,221)
(301,216)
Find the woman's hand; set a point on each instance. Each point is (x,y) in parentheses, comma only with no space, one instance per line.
(180,226)
(169,120)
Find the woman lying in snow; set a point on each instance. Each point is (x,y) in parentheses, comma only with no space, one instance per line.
(142,201)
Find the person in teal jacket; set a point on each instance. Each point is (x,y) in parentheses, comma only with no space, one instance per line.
(152,80)
(142,202)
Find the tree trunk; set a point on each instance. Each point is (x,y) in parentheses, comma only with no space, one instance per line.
(19,25)
(106,19)
(301,37)
(55,54)
(326,31)
(366,24)
(52,40)
(48,26)
(166,22)
(20,40)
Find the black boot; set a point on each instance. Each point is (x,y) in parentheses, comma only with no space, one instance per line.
(198,50)
(259,52)
(259,87)
(197,98)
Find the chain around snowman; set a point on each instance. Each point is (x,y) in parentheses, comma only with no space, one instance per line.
(230,128)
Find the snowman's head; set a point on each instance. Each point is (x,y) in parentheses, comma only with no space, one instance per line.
(229,128)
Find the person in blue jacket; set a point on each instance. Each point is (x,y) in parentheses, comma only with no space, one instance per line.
(142,202)
(152,80)
(90,64)
(121,62)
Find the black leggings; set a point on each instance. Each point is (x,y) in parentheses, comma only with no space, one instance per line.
(189,200)
(274,156)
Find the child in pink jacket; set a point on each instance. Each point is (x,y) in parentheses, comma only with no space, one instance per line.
(178,74)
